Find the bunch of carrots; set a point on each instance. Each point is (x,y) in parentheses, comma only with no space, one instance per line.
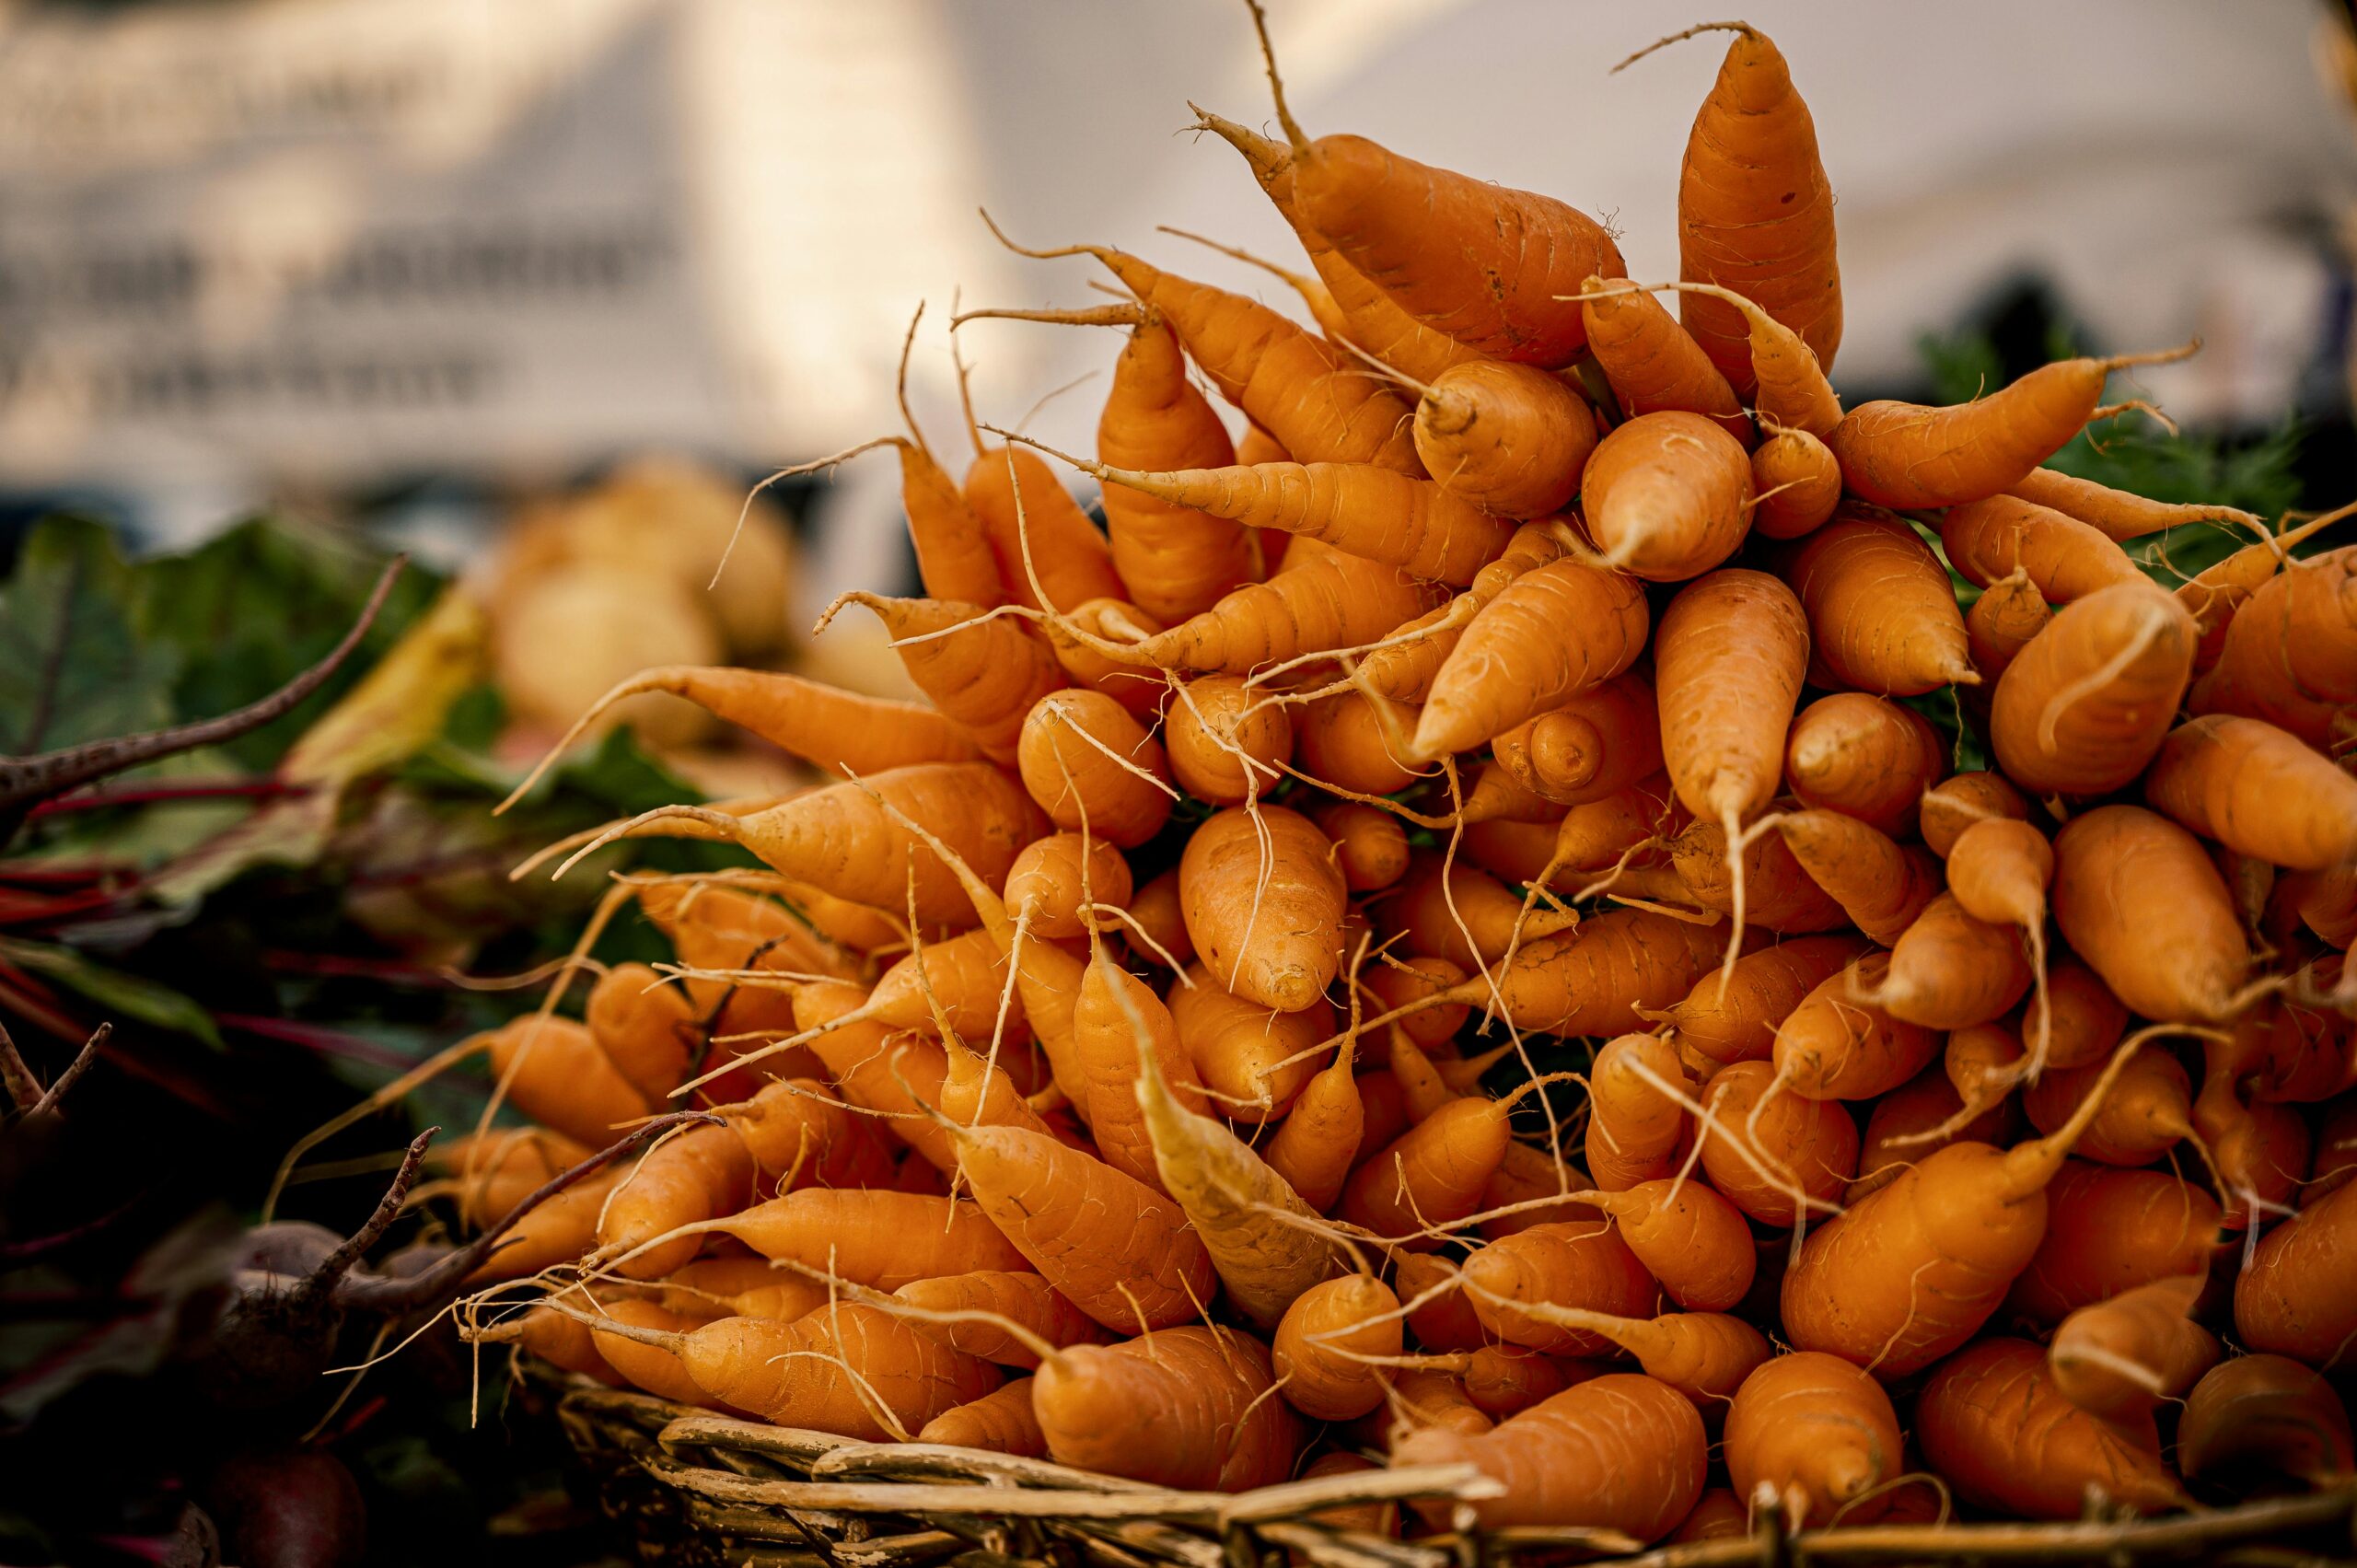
(1100,1069)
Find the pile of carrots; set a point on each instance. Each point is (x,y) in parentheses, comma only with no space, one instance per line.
(1102,1069)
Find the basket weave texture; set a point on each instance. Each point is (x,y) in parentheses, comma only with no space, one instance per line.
(697,1488)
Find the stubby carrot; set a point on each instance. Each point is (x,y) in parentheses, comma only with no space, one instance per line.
(2265,1415)
(1188,1408)
(1666,496)
(1551,634)
(1865,756)
(2138,899)
(1508,438)
(2120,1358)
(1262,912)
(1755,209)
(1989,539)
(1911,456)
(2256,790)
(1651,363)
(1795,484)
(1622,1452)
(1808,1434)
(1992,1422)
(1882,617)
(1498,270)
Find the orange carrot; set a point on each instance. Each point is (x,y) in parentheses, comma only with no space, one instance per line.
(1797,1147)
(1488,266)
(1604,739)
(2001,624)
(1727,667)
(835,731)
(1865,756)
(1739,1024)
(1951,972)
(1954,805)
(1225,739)
(1091,641)
(1045,885)
(1038,532)
(1688,1237)
(1755,211)
(646,1028)
(2256,790)
(1836,1045)
(2218,592)
(1781,897)
(2110,1230)
(1250,1058)
(1516,1281)
(702,1172)
(2267,1415)
(556,1074)
(1319,1141)
(1914,1269)
(2137,898)
(2066,559)
(1914,1119)
(1809,1433)
(2120,1358)
(1992,1422)
(1372,322)
(1262,913)
(880,1238)
(998,1423)
(1026,1300)
(1791,390)
(1881,615)
(1351,741)
(1653,364)
(1635,1124)
(1593,980)
(2079,1016)
(1797,482)
(2150,1107)
(1549,635)
(2296,1298)
(984,674)
(1087,762)
(847,1368)
(1909,457)
(1622,1452)
(1333,600)
(1432,1174)
(1184,1407)
(1419,527)
(1403,670)
(1116,1020)
(1118,1250)
(1509,439)
(2115,514)
(1321,1347)
(1668,496)
(1879,884)
(1370,846)
(1177,562)
(1468,918)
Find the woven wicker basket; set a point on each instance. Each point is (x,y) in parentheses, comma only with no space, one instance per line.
(698,1488)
